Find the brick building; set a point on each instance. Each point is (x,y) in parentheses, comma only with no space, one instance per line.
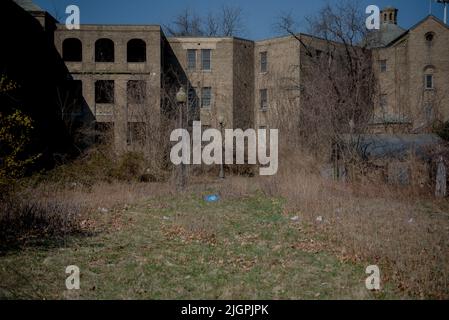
(412,67)
(241,79)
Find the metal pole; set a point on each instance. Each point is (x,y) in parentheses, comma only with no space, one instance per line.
(222,173)
(181,174)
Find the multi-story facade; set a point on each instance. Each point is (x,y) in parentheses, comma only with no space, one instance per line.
(412,69)
(220,78)
(241,80)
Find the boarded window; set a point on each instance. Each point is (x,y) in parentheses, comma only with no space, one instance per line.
(104,50)
(206,59)
(136,91)
(206,97)
(191,59)
(137,50)
(104,91)
(72,50)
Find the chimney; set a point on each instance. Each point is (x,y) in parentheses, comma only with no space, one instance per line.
(389,15)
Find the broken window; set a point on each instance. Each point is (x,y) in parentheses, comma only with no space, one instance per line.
(104,91)
(136,91)
(104,50)
(137,50)
(72,50)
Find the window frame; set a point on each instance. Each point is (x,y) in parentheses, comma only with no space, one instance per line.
(64,50)
(97,97)
(132,99)
(263,97)
(137,44)
(189,66)
(203,60)
(383,65)
(264,62)
(97,52)
(426,79)
(203,98)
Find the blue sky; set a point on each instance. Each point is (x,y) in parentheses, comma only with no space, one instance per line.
(260,15)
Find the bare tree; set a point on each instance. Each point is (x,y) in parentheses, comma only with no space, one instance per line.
(186,23)
(227,22)
(337,84)
(231,21)
(212,25)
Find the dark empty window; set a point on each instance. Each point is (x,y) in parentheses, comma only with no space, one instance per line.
(193,98)
(429,81)
(263,62)
(72,50)
(104,91)
(191,59)
(137,92)
(104,50)
(264,99)
(137,50)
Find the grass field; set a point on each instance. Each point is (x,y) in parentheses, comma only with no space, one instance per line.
(185,248)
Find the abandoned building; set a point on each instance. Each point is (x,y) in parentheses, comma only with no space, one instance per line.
(120,72)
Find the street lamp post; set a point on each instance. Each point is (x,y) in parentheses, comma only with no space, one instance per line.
(222,172)
(181,98)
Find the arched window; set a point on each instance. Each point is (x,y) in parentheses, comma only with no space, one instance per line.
(104,50)
(72,50)
(137,50)
(429,37)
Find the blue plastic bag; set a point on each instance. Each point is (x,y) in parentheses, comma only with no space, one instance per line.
(212,198)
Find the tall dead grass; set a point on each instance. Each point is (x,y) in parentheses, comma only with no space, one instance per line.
(399,229)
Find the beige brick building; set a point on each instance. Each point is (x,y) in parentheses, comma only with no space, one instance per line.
(247,82)
(413,76)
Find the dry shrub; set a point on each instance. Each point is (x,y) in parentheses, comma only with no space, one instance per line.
(50,211)
(399,229)
(27,216)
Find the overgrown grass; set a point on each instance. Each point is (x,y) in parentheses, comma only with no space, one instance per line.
(184,248)
(145,240)
(403,232)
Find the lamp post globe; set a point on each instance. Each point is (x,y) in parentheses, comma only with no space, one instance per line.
(181,96)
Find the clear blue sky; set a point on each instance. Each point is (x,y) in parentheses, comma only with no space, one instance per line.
(260,15)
